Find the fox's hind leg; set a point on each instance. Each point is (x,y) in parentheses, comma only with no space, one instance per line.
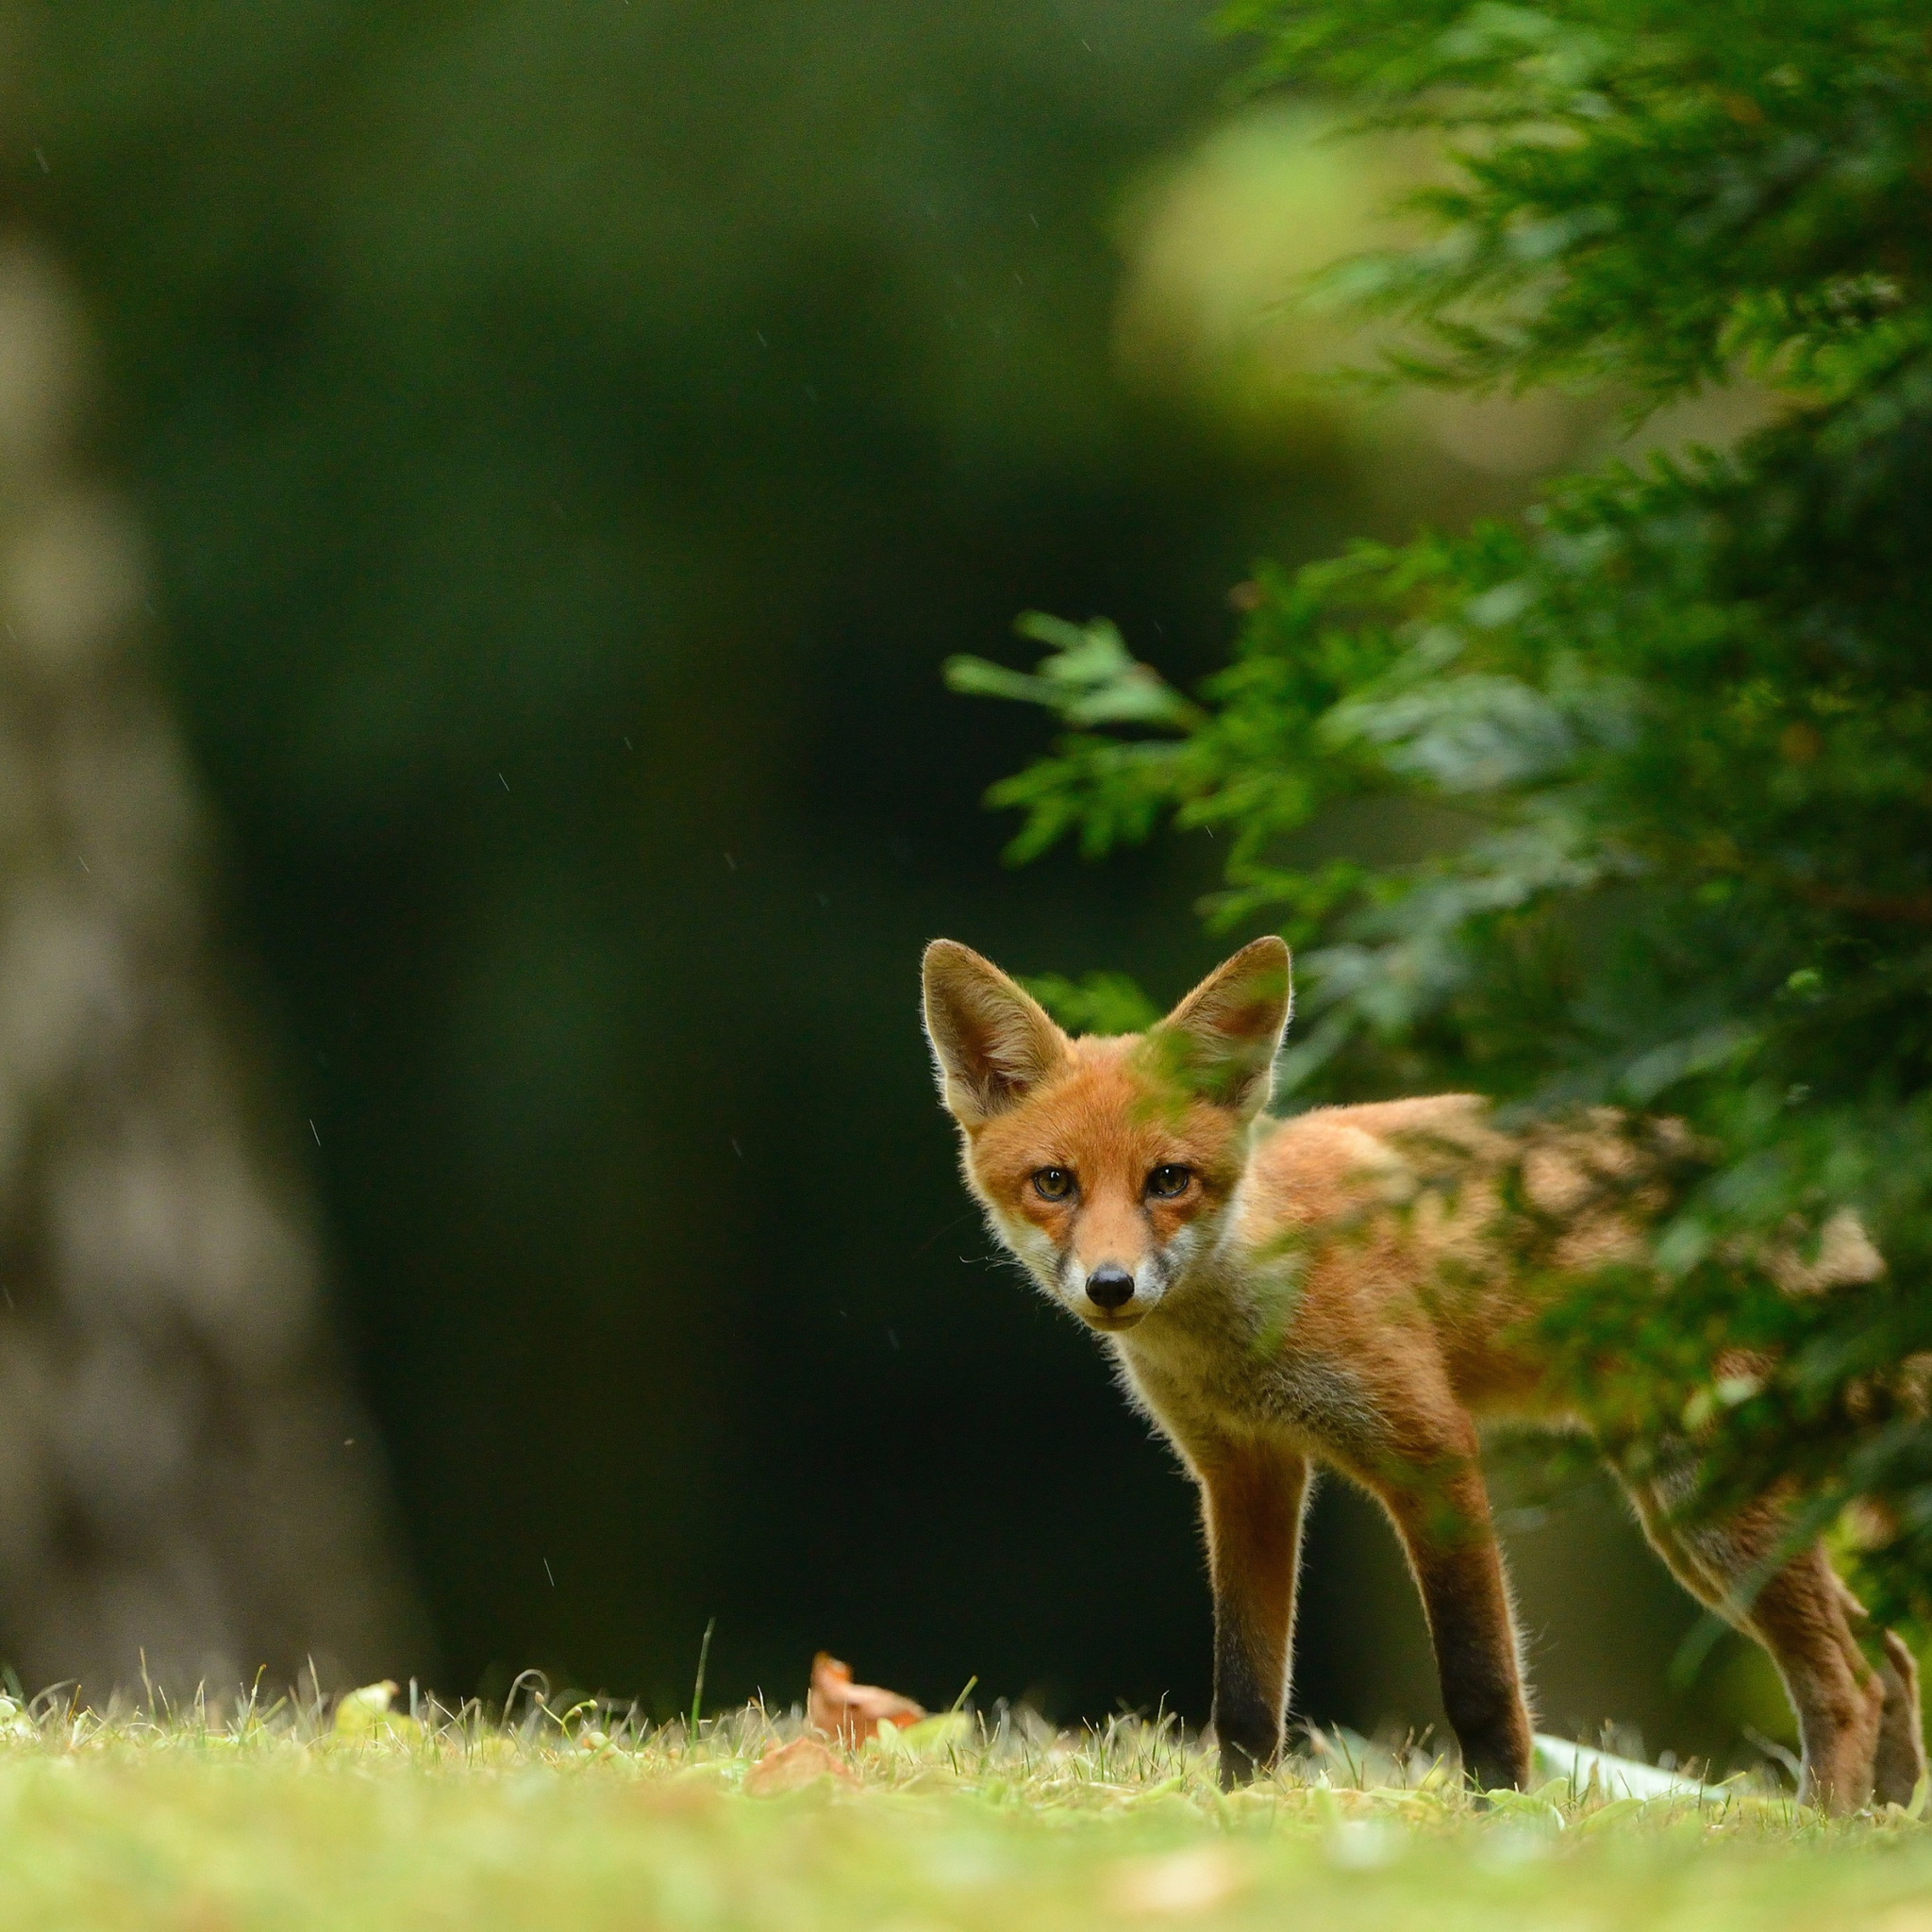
(1803,1615)
(1799,1616)
(1252,1498)
(1900,1761)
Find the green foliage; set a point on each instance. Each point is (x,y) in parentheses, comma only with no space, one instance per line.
(1640,190)
(1669,735)
(1095,1003)
(1089,680)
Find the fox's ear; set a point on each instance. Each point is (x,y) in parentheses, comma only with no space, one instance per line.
(1221,1042)
(992,1041)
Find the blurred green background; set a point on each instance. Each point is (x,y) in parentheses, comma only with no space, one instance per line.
(570,437)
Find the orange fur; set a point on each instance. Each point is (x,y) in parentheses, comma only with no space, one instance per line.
(1331,1290)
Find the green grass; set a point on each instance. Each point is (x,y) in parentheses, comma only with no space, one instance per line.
(274,1820)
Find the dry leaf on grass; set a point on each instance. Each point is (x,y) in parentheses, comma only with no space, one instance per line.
(791,1766)
(853,1712)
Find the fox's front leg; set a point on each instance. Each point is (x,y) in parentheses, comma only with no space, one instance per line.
(1252,1499)
(1441,1509)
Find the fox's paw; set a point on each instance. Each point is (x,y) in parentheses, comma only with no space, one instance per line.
(1245,1755)
(1497,1761)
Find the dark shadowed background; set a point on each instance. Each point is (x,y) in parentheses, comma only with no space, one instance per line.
(568,437)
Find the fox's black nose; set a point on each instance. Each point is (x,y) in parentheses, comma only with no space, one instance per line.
(1109,1286)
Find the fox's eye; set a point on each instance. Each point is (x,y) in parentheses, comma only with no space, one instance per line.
(1053,1183)
(1168,1180)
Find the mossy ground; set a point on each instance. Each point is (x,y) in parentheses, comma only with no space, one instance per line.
(279,1820)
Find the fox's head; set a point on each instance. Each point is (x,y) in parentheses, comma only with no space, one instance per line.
(1105,1165)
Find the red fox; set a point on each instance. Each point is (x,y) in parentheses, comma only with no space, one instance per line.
(1140,1182)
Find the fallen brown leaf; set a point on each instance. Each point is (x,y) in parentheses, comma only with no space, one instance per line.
(791,1766)
(853,1712)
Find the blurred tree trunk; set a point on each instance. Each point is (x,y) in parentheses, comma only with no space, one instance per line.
(176,1483)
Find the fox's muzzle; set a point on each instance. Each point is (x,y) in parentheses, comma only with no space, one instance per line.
(1109,1286)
